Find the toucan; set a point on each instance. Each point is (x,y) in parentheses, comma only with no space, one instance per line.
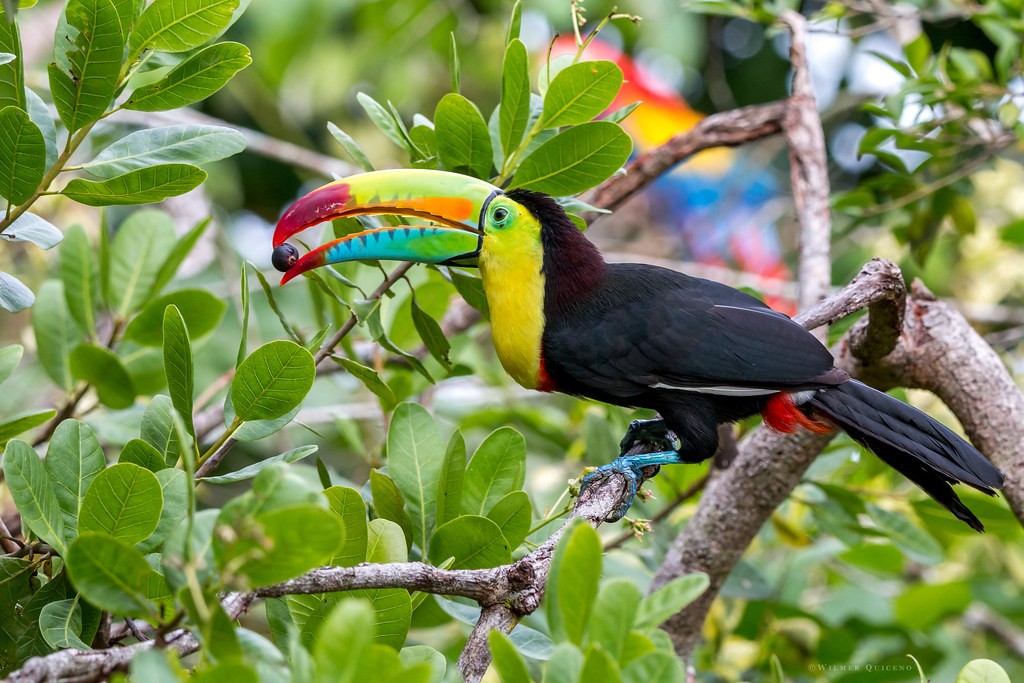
(698,352)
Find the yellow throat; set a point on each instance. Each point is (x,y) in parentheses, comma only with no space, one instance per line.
(510,265)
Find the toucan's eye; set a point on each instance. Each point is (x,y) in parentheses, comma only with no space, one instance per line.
(500,215)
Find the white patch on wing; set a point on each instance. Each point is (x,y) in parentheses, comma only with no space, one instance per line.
(718,391)
(802,397)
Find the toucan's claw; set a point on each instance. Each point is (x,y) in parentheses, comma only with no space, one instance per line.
(636,469)
(653,434)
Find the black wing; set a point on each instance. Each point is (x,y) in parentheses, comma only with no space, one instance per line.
(647,327)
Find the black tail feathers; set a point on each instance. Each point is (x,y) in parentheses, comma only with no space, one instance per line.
(920,448)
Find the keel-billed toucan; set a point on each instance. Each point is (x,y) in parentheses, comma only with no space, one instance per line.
(698,352)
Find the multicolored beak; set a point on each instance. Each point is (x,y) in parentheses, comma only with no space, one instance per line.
(454,203)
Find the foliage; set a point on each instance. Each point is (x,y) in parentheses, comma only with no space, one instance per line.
(131,514)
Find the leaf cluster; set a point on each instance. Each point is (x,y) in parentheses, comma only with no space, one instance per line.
(102,50)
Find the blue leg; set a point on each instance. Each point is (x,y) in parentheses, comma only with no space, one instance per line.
(631,467)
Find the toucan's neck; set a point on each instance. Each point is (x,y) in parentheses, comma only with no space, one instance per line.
(573,266)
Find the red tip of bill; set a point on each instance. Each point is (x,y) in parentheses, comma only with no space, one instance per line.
(315,207)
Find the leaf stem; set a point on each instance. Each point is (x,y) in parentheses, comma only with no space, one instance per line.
(232,428)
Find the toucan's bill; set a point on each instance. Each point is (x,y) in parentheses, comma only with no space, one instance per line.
(453,203)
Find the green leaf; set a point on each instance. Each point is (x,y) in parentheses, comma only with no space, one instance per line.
(922,606)
(371,380)
(195,79)
(189,143)
(391,614)
(513,515)
(509,664)
(463,142)
(385,542)
(40,115)
(251,471)
(88,53)
(564,665)
(143,186)
(415,456)
(515,96)
(515,22)
(572,583)
(31,228)
(158,429)
(272,300)
(475,542)
(619,600)
(351,147)
(142,454)
(431,334)
(55,333)
(10,356)
(389,504)
(22,422)
(101,368)
(33,494)
(191,544)
(982,671)
(342,641)
(913,541)
(270,548)
(418,654)
(178,365)
(78,272)
(497,468)
(580,92)
(14,296)
(575,160)
(152,665)
(657,607)
(598,666)
(451,479)
(73,460)
(110,574)
(12,75)
(61,624)
(272,381)
(243,341)
(169,268)
(453,65)
(655,667)
(201,311)
(349,506)
(179,25)
(174,485)
(124,501)
(22,155)
(384,120)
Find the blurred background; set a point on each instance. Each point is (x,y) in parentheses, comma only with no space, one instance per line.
(806,593)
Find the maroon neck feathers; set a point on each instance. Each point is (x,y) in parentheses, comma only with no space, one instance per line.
(573,266)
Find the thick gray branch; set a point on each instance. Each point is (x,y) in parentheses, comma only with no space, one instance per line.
(808,169)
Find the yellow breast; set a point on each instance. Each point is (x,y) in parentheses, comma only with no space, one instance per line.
(514,286)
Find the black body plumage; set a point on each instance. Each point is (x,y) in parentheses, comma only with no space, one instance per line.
(702,353)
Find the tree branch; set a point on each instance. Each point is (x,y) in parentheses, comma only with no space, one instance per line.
(808,169)
(724,129)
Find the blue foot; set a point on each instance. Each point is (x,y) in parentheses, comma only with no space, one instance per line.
(632,468)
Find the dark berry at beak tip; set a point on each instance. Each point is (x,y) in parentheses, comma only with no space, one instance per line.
(284,257)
